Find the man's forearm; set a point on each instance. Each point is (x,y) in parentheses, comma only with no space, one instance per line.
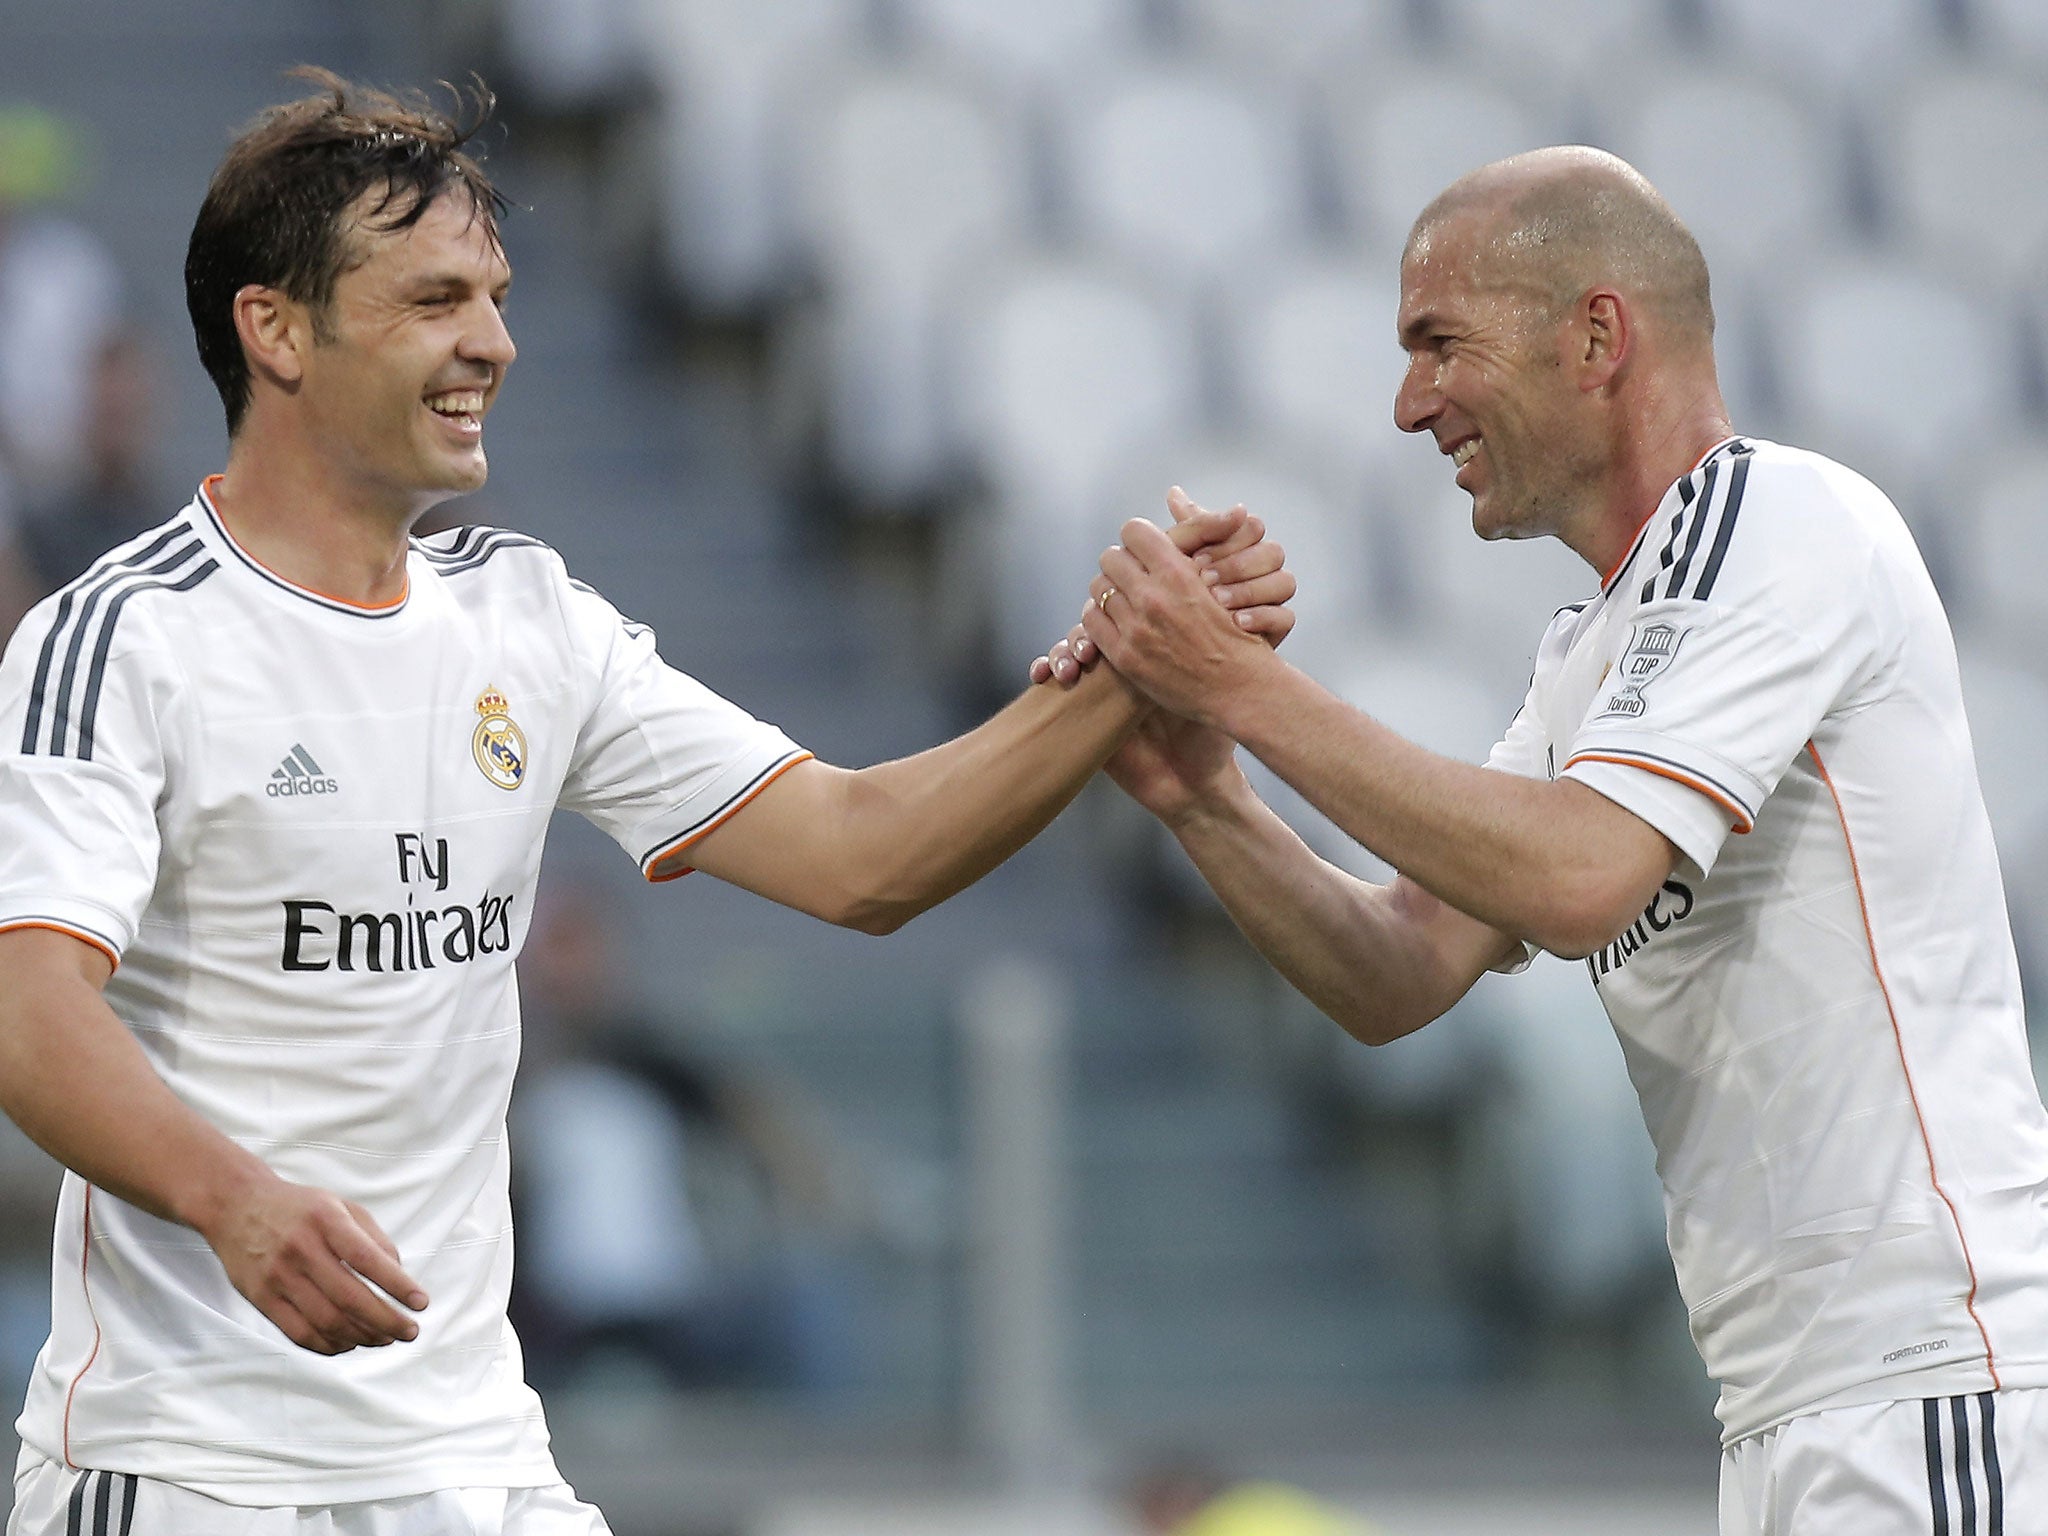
(1529,857)
(76,1082)
(923,828)
(1381,960)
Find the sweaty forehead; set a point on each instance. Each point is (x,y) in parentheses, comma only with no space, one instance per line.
(452,234)
(1461,269)
(1438,280)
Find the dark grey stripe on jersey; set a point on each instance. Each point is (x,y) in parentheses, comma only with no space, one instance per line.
(1686,492)
(459,541)
(1937,1487)
(488,548)
(632,627)
(90,712)
(105,1511)
(654,855)
(1701,510)
(1685,768)
(77,627)
(1702,515)
(129,1483)
(1737,480)
(74,1517)
(86,584)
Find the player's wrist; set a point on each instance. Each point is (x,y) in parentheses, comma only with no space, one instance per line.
(1208,805)
(218,1189)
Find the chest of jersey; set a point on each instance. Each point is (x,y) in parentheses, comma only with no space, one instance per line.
(371,808)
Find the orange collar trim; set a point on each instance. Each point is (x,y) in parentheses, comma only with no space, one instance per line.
(379,610)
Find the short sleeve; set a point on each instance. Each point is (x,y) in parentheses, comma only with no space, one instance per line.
(82,766)
(660,759)
(1718,687)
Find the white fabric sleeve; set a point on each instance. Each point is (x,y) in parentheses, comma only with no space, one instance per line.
(1712,699)
(82,764)
(660,759)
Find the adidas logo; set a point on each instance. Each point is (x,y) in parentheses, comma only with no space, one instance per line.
(298,774)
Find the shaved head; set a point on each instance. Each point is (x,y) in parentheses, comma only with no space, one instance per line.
(1557,222)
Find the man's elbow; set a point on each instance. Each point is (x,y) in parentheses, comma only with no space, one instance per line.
(872,910)
(1583,917)
(1381,1020)
(878,919)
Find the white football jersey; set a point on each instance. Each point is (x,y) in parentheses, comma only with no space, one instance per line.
(1821,1012)
(309,832)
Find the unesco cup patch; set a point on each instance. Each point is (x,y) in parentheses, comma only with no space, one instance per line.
(499,746)
(1651,650)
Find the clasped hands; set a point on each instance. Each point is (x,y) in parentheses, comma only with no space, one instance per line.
(1184,613)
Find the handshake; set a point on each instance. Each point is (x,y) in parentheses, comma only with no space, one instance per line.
(1185,613)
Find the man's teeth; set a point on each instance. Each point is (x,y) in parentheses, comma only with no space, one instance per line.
(1462,454)
(457,402)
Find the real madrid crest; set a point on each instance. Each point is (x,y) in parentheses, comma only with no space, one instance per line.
(499,746)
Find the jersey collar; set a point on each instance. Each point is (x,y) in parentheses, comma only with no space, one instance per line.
(333,604)
(1607,581)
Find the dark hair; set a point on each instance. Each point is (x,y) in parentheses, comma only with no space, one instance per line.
(277,212)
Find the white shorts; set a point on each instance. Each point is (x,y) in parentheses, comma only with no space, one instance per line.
(53,1500)
(1939,1466)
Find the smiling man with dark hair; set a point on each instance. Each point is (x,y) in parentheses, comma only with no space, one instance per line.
(274,782)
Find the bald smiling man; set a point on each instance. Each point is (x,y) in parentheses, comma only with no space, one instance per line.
(1741,790)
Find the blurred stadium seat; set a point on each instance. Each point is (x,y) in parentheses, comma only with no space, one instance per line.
(1058,366)
(1846,48)
(1312,356)
(1297,38)
(1569,43)
(1183,167)
(569,55)
(1031,47)
(1401,137)
(1746,162)
(1890,367)
(1998,540)
(905,173)
(1964,151)
(2015,31)
(725,70)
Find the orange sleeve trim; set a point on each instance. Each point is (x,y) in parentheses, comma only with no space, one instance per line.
(1741,817)
(655,872)
(70,933)
(1899,1040)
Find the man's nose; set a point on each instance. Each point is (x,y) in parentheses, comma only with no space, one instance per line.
(488,340)
(1417,402)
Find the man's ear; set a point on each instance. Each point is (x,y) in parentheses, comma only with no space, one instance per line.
(275,332)
(1608,331)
